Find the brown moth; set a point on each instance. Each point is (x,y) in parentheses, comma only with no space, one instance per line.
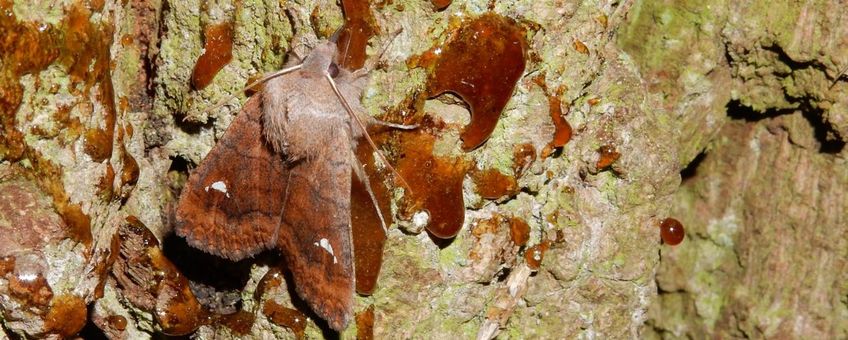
(280,178)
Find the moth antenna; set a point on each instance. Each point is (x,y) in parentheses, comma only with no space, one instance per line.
(346,49)
(335,36)
(252,85)
(365,131)
(531,72)
(360,173)
(395,34)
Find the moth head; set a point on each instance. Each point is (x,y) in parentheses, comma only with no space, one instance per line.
(321,60)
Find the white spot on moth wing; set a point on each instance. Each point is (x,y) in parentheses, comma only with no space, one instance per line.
(324,243)
(28,277)
(218,186)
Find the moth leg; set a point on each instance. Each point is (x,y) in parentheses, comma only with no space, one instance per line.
(363,177)
(375,121)
(836,79)
(373,64)
(361,72)
(355,118)
(282,208)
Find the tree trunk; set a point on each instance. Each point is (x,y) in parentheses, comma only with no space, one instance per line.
(727,116)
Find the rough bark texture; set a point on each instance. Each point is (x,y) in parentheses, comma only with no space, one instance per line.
(764,202)
(747,99)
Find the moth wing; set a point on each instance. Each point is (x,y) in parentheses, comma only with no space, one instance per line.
(231,205)
(315,234)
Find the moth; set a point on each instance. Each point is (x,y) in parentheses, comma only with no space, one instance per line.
(280,178)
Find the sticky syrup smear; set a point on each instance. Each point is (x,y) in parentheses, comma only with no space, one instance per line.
(177,310)
(217,53)
(67,315)
(104,267)
(358,28)
(436,183)
(275,312)
(129,169)
(481,62)
(367,231)
(63,315)
(82,48)
(492,46)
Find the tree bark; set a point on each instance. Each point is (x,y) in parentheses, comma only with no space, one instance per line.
(728,116)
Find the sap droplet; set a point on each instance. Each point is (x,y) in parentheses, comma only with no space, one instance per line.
(608,155)
(519,231)
(579,46)
(523,155)
(67,315)
(493,184)
(130,169)
(28,282)
(98,144)
(535,254)
(671,231)
(365,324)
(562,130)
(79,224)
(126,40)
(177,310)
(239,322)
(117,322)
(272,280)
(105,183)
(286,317)
(440,5)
